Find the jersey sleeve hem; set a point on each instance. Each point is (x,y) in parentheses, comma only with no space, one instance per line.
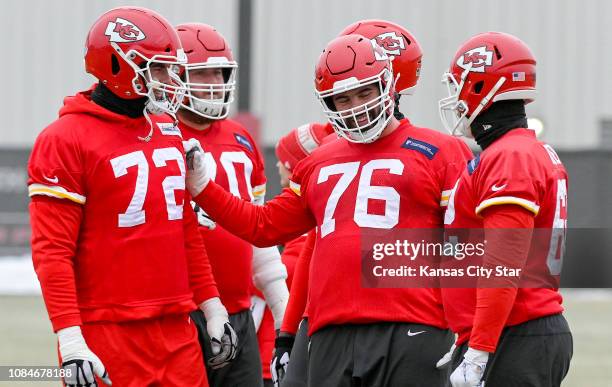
(480,347)
(65,321)
(206,292)
(56,192)
(527,204)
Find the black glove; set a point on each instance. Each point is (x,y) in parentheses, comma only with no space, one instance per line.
(280,361)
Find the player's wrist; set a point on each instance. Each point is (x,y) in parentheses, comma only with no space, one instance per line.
(284,340)
(276,295)
(70,340)
(197,184)
(476,356)
(213,309)
(278,312)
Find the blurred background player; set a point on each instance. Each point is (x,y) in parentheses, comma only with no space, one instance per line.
(114,241)
(358,334)
(236,164)
(516,190)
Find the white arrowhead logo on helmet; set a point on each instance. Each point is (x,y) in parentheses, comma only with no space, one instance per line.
(379,52)
(391,43)
(476,59)
(123,31)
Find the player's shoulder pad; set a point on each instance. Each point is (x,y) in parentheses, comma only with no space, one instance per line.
(516,150)
(65,129)
(521,157)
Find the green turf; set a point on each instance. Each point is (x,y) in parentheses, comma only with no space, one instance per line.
(27,338)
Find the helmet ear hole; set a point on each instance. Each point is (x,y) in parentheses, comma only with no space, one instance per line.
(478,87)
(330,103)
(227,73)
(115,64)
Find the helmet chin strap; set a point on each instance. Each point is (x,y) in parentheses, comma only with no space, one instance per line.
(147,117)
(148,137)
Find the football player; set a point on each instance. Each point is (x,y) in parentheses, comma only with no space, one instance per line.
(358,335)
(516,190)
(404,50)
(236,164)
(114,240)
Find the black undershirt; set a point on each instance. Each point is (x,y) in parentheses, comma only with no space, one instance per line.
(132,108)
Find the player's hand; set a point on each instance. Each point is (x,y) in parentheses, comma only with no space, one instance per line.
(280,360)
(203,218)
(443,362)
(79,363)
(197,175)
(471,370)
(223,339)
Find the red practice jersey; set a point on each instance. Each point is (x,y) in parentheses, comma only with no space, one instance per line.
(297,306)
(401,180)
(236,164)
(517,169)
(129,258)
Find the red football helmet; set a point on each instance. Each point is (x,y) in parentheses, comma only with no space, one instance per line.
(125,49)
(489,67)
(399,44)
(207,48)
(349,62)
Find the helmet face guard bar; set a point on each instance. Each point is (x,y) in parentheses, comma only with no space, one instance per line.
(377,111)
(163,97)
(454,112)
(217,97)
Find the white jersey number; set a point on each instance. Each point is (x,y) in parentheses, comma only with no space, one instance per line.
(365,192)
(556,251)
(134,214)
(228,161)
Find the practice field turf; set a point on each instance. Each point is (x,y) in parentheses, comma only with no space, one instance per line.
(26,337)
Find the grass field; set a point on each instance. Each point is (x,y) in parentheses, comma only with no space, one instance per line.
(26,337)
